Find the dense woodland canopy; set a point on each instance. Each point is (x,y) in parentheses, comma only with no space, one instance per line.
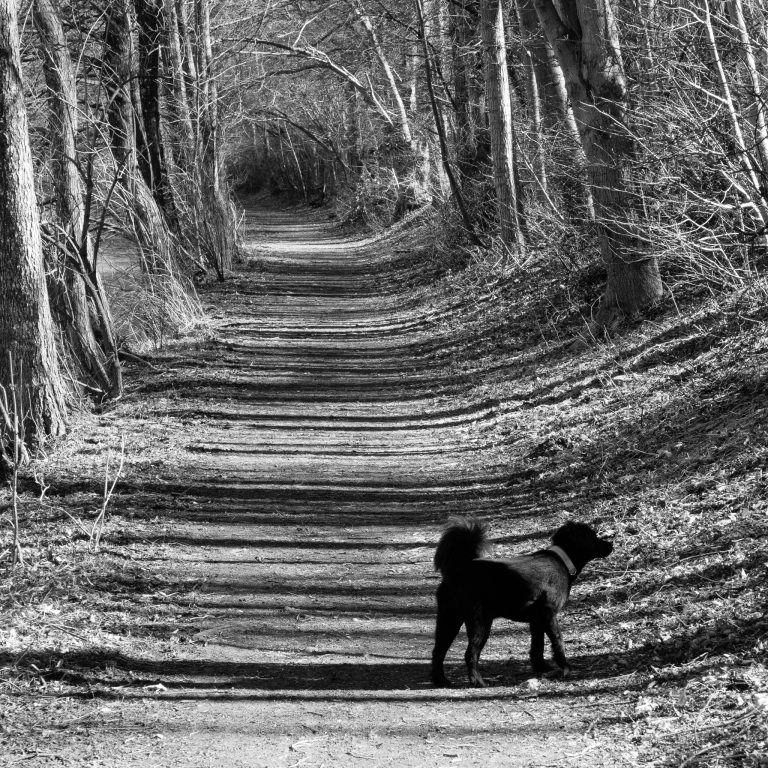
(629,135)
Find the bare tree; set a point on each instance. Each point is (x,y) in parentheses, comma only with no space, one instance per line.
(146,217)
(152,41)
(409,154)
(584,36)
(473,148)
(440,127)
(500,121)
(26,326)
(78,265)
(217,215)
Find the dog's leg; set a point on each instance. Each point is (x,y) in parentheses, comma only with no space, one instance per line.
(478,630)
(448,625)
(537,647)
(552,628)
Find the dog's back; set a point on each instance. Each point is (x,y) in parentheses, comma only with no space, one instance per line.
(463,540)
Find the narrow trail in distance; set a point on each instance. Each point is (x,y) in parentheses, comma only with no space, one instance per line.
(280,595)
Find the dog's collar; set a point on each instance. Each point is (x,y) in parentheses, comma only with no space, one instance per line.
(567,562)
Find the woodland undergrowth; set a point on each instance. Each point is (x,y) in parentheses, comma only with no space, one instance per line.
(150,311)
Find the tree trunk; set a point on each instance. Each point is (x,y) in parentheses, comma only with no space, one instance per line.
(180,104)
(473,148)
(152,42)
(409,155)
(26,325)
(541,87)
(148,221)
(188,54)
(440,127)
(219,218)
(500,121)
(585,41)
(542,98)
(402,114)
(353,148)
(434,35)
(101,364)
(182,130)
(549,109)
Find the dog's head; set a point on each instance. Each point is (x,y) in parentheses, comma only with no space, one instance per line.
(581,542)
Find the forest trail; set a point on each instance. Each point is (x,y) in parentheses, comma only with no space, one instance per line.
(279,518)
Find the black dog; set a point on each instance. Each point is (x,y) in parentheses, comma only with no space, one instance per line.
(530,588)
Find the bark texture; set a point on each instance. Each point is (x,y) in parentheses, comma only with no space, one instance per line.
(409,156)
(151,42)
(147,220)
(497,95)
(26,325)
(585,39)
(218,219)
(76,257)
(540,84)
(473,149)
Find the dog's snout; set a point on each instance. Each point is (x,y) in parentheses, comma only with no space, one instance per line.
(607,547)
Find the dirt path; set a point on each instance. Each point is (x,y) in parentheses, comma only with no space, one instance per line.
(278,524)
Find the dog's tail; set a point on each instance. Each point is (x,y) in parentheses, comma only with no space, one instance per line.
(462,541)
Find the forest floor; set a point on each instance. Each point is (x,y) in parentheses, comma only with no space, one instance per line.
(264,592)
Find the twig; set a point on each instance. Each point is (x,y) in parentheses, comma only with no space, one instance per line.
(124,353)
(32,756)
(66,630)
(18,555)
(709,748)
(78,522)
(98,523)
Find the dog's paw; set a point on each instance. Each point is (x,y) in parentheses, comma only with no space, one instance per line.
(542,668)
(477,682)
(558,673)
(443,682)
